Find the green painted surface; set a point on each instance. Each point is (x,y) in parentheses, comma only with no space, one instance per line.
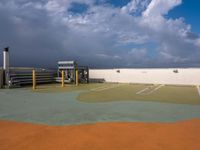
(165,94)
(61,107)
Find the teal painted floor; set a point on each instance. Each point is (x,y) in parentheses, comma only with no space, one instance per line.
(63,108)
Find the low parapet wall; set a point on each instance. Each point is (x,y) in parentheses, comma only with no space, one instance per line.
(174,76)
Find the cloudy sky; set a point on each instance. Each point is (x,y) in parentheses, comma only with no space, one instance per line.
(101,33)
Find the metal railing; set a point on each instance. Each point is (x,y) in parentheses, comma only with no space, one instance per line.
(25,77)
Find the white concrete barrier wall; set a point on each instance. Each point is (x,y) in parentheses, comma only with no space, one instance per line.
(190,76)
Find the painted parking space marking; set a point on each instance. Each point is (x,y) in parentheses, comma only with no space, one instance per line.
(144,90)
(198,89)
(150,90)
(106,88)
(110,87)
(157,88)
(97,88)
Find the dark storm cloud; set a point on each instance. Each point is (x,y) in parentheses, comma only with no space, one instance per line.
(32,37)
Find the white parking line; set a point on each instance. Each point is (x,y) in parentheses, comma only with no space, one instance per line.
(157,88)
(105,88)
(94,89)
(198,89)
(154,88)
(143,90)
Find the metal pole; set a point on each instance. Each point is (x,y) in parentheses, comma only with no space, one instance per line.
(34,79)
(76,77)
(63,79)
(6,66)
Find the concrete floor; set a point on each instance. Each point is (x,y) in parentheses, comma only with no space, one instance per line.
(61,108)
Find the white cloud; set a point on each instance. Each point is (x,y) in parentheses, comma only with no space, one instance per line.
(160,7)
(61,6)
(102,35)
(197,42)
(135,6)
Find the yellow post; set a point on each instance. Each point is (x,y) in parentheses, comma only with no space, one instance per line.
(34,79)
(77,77)
(63,79)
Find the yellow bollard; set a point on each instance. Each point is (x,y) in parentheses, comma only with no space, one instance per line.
(34,79)
(63,79)
(77,77)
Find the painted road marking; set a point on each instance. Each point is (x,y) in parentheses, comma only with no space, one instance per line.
(198,89)
(110,87)
(143,90)
(94,89)
(106,88)
(154,88)
(157,88)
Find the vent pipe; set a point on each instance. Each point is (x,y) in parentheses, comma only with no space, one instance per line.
(6,59)
(6,63)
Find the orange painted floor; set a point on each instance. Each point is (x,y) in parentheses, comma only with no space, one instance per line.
(101,136)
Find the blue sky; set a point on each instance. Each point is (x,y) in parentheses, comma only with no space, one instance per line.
(118,3)
(190,10)
(101,33)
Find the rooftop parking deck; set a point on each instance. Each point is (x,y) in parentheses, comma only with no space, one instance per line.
(90,103)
